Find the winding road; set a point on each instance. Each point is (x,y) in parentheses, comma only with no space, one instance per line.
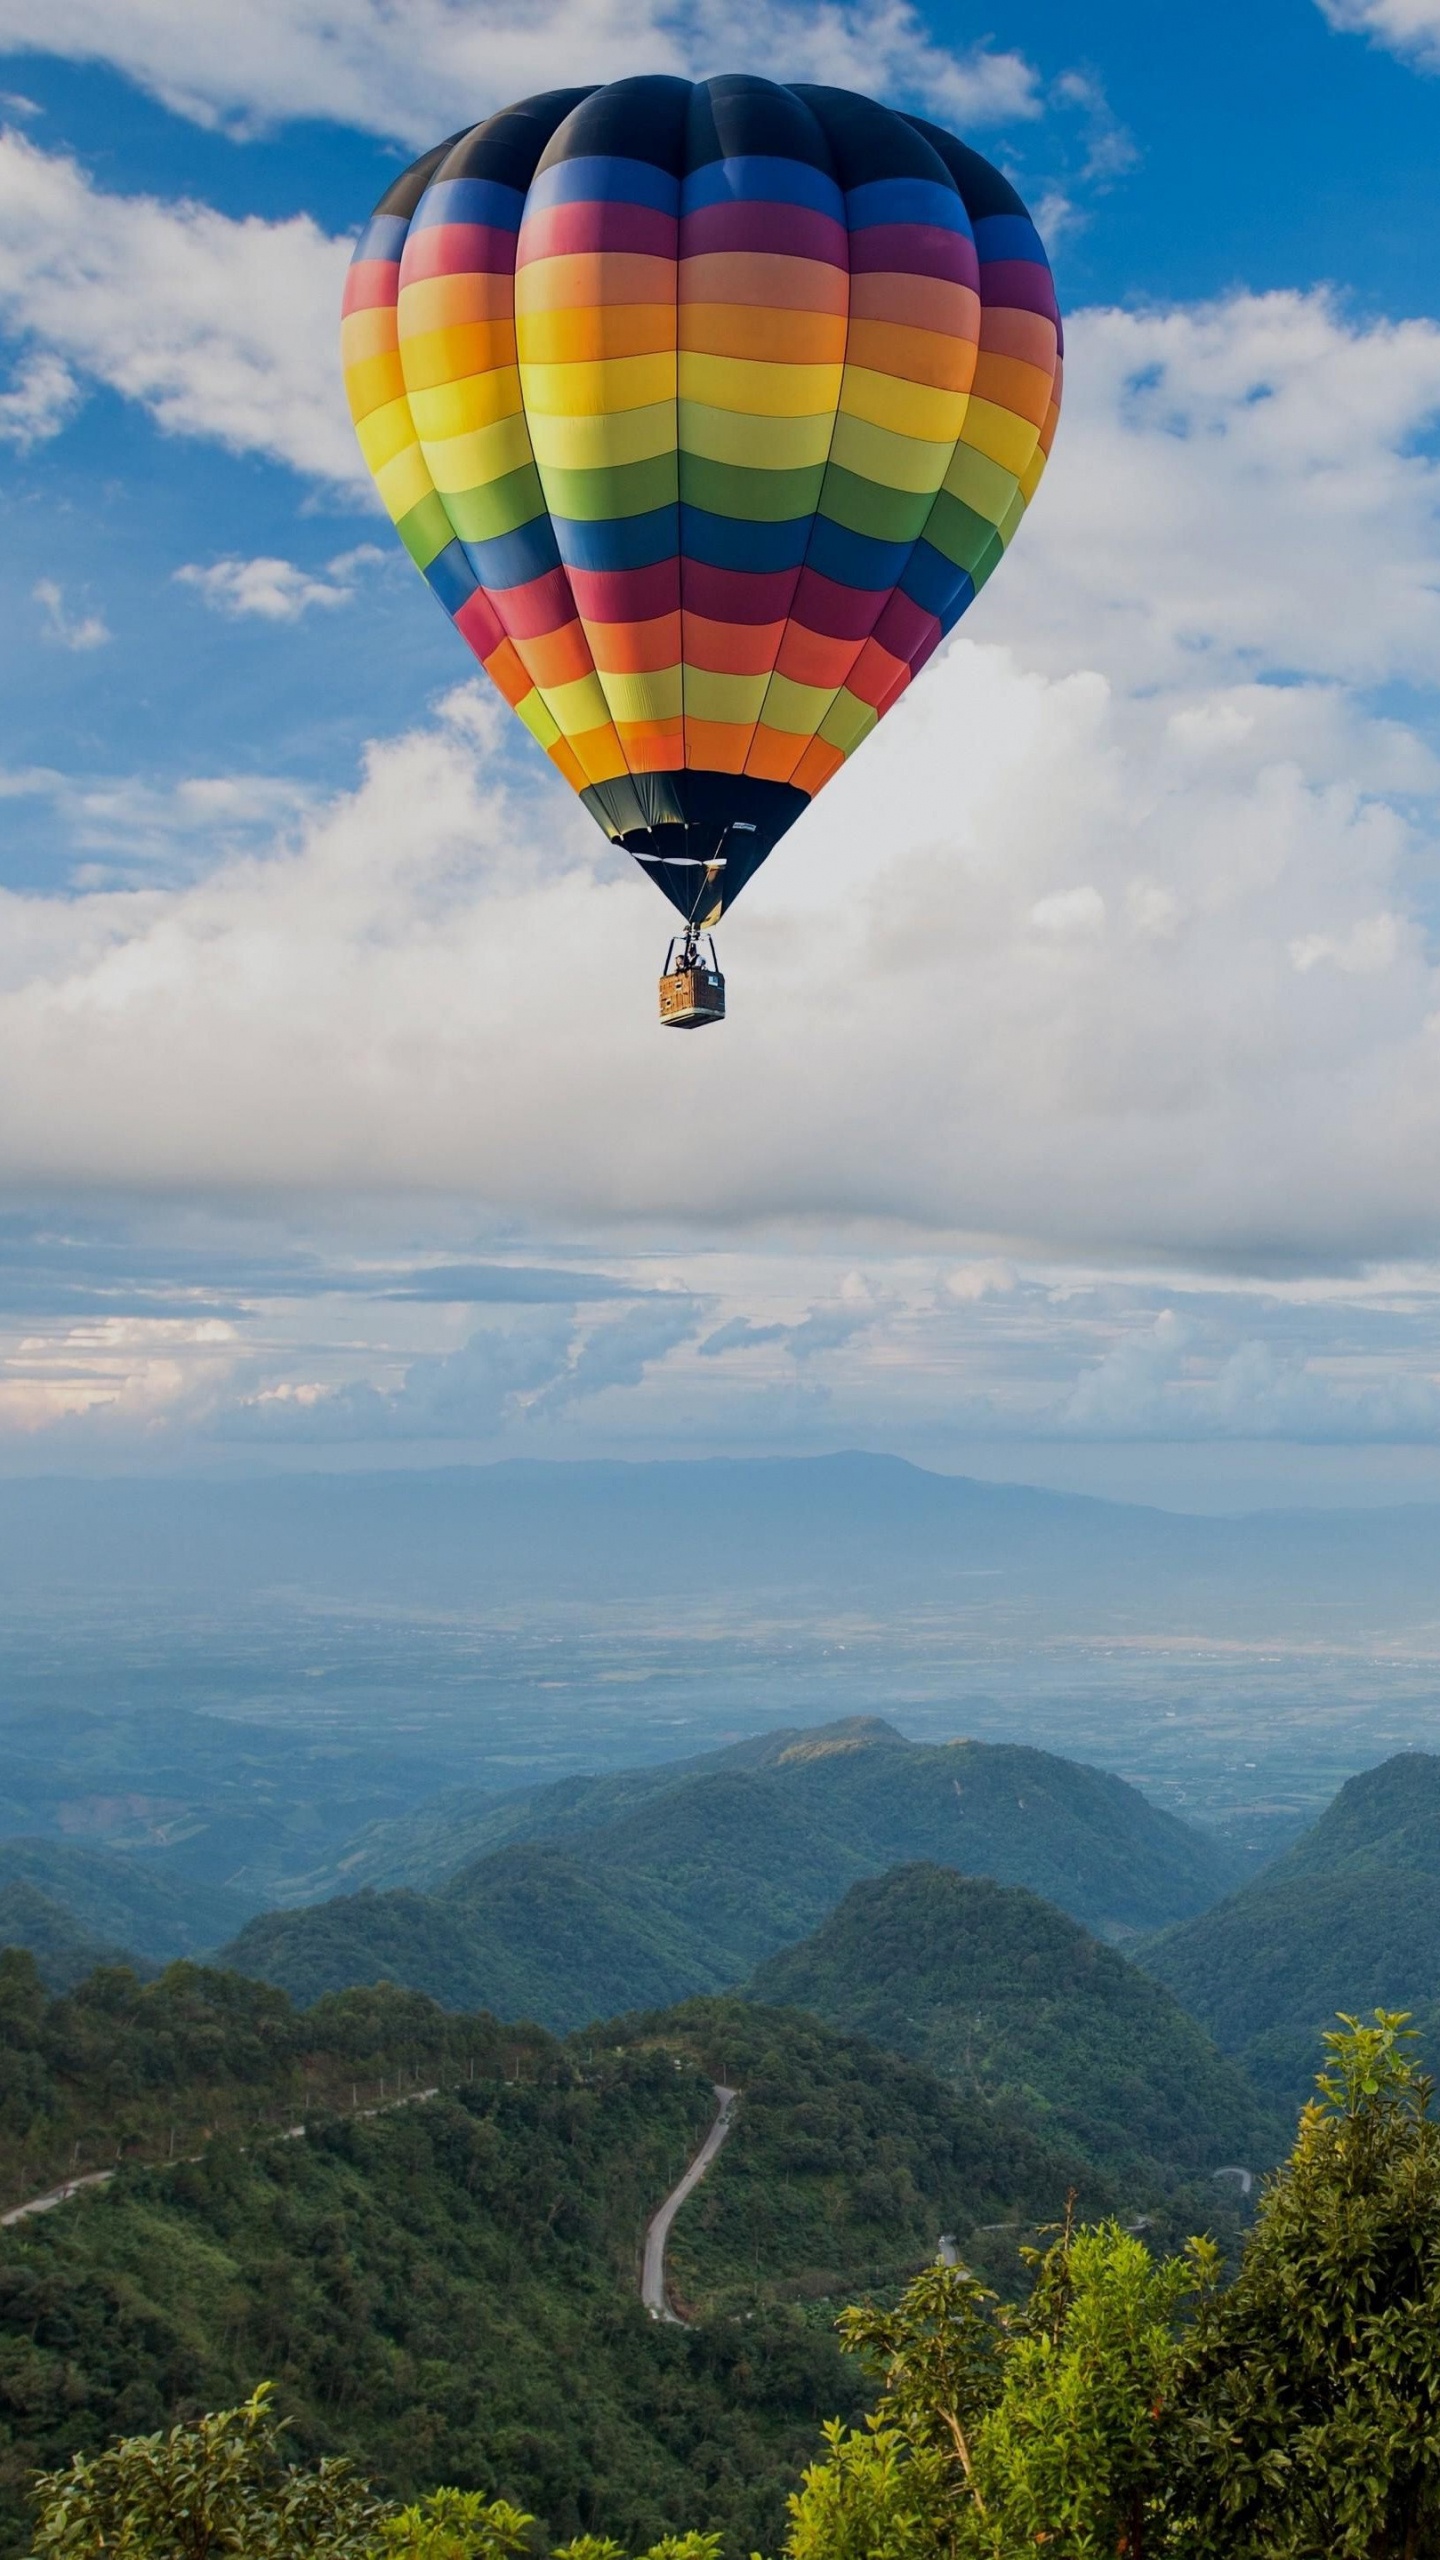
(652,2279)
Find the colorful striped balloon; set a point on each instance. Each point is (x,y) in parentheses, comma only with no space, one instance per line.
(705,411)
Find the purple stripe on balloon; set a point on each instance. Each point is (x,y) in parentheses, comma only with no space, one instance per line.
(840,613)
(457,249)
(914,249)
(905,627)
(1018,284)
(738,595)
(786,230)
(573,230)
(626,595)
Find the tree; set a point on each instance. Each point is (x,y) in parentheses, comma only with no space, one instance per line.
(1307,2414)
(216,2487)
(996,2430)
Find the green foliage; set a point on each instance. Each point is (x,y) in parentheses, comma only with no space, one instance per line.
(124,2070)
(1073,2450)
(1308,2410)
(1010,1998)
(606,1894)
(846,2164)
(1265,1970)
(448,2291)
(455,2524)
(215,2487)
(997,2431)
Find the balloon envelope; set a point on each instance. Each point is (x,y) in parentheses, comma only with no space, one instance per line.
(705,409)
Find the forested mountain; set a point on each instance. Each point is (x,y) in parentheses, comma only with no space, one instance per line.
(125,1901)
(697,1877)
(63,1951)
(1002,1994)
(447,2287)
(1348,1919)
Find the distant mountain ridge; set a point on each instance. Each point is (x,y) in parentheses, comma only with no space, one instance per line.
(851,1523)
(639,1890)
(1348,1919)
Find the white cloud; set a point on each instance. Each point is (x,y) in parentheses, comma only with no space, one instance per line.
(275,590)
(68,630)
(1239,486)
(218,328)
(416,73)
(1408,27)
(43,396)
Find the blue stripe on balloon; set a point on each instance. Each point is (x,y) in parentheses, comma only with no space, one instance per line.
(931,580)
(890,200)
(470,200)
(626,542)
(1009,235)
(383,237)
(606,178)
(513,559)
(451,576)
(730,542)
(756,178)
(854,559)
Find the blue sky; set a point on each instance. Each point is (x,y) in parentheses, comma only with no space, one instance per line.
(1094,1137)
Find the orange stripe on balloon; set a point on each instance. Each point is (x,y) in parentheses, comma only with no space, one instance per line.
(453,302)
(917,302)
(814,657)
(769,284)
(562,755)
(556,657)
(876,676)
(506,669)
(717,746)
(774,337)
(915,355)
(731,648)
(1026,335)
(774,754)
(816,767)
(1021,388)
(653,746)
(636,648)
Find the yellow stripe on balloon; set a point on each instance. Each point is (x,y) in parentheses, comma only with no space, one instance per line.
(386,432)
(728,699)
(458,463)
(403,483)
(909,408)
(457,408)
(796,708)
(597,444)
(762,390)
(654,696)
(1006,439)
(598,390)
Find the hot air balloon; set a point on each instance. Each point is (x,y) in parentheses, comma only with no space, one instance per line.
(705,410)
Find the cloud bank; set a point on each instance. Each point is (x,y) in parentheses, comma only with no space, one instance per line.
(418,72)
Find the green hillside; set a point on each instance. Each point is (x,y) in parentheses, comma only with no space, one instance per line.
(63,1951)
(447,2288)
(704,1876)
(1388,1817)
(1348,1919)
(125,1901)
(1006,1996)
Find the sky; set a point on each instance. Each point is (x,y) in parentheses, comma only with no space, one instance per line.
(1091,1137)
